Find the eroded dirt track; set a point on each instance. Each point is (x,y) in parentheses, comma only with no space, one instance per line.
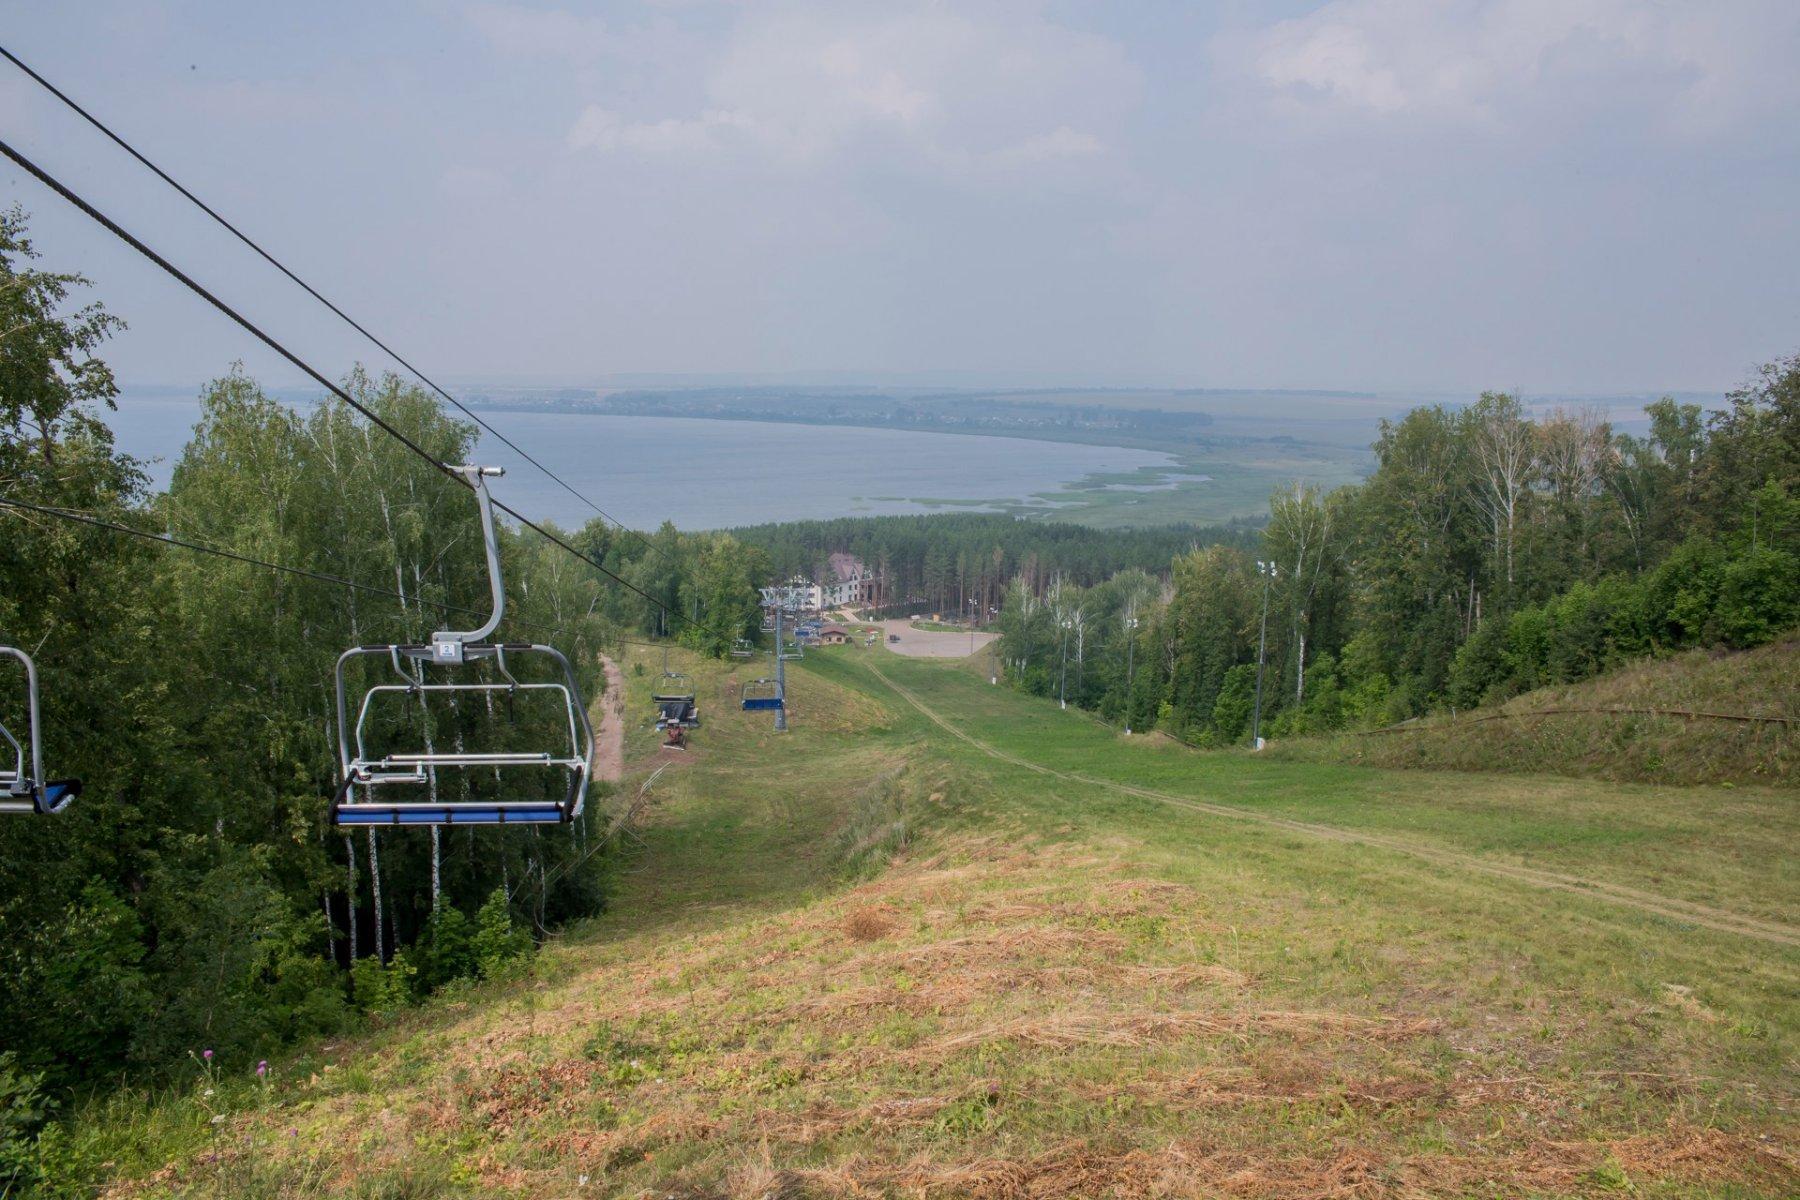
(1706,916)
(609,730)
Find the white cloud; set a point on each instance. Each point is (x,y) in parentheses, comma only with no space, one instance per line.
(550,33)
(1690,69)
(932,89)
(600,128)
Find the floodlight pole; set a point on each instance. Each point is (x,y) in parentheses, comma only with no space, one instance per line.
(1267,571)
(1130,645)
(780,669)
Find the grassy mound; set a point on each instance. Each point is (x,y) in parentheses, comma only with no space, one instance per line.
(1661,721)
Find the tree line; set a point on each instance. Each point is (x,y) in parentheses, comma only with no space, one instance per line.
(1489,552)
(944,561)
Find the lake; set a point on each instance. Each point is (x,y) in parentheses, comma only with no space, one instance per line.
(704,474)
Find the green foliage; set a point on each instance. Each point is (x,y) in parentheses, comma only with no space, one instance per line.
(23,1110)
(497,945)
(1231,711)
(1490,553)
(380,988)
(447,952)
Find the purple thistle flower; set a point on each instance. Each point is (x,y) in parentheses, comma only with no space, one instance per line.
(207,1055)
(262,1068)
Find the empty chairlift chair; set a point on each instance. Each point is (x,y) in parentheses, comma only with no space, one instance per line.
(402,787)
(743,648)
(23,788)
(677,709)
(762,695)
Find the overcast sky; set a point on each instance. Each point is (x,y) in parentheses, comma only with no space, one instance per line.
(1558,195)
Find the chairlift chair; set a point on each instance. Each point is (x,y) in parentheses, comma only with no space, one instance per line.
(367,775)
(743,648)
(677,709)
(23,788)
(762,695)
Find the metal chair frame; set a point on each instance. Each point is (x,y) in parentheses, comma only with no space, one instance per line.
(364,772)
(22,790)
(676,723)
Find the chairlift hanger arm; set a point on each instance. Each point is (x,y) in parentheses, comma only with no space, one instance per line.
(448,646)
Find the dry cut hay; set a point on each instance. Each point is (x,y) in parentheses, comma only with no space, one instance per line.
(1130,1029)
(1356,1172)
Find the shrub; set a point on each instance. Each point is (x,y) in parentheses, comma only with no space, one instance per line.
(383,989)
(1480,668)
(1759,597)
(23,1110)
(497,945)
(447,951)
(1237,694)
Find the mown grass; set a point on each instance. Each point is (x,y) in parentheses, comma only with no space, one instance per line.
(866,958)
(1727,846)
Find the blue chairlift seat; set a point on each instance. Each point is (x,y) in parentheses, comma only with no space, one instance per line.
(762,695)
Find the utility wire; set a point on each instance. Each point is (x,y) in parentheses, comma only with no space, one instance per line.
(169,539)
(374,418)
(245,238)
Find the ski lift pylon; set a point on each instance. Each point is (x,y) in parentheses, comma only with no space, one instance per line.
(364,773)
(23,788)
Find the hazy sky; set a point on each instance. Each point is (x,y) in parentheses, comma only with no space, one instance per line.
(1560,195)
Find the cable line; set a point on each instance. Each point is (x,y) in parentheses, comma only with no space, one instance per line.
(312,373)
(245,238)
(169,539)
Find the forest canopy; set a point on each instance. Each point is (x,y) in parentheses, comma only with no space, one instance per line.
(1490,552)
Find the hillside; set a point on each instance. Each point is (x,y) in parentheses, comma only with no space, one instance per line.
(1672,720)
(944,940)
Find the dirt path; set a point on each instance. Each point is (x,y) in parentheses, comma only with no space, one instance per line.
(1703,915)
(609,732)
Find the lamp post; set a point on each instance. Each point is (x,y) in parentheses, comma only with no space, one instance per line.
(780,665)
(1267,571)
(1131,625)
(974,612)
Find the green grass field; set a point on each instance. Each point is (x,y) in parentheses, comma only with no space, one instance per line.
(944,940)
